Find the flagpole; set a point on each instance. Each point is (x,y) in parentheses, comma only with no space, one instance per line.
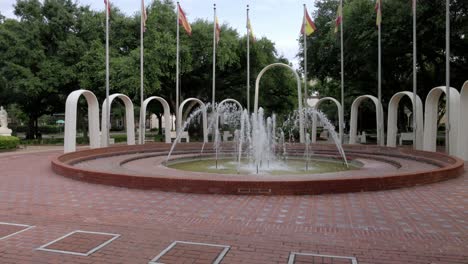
(447,74)
(305,56)
(143,115)
(107,76)
(379,87)
(342,70)
(214,58)
(248,61)
(415,138)
(177,71)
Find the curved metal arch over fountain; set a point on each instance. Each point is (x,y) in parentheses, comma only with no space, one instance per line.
(431,114)
(229,100)
(204,116)
(71,106)
(463,128)
(354,118)
(129,119)
(299,95)
(167,118)
(340,117)
(393,119)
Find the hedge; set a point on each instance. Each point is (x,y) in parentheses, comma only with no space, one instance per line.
(8,142)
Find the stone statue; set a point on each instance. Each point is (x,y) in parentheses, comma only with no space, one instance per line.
(3,117)
(4,131)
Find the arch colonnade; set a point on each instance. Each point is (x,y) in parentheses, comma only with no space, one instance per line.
(426,119)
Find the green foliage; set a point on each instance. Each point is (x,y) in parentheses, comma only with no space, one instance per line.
(8,142)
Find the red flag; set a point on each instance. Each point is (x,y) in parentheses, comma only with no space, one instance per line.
(218,31)
(107,5)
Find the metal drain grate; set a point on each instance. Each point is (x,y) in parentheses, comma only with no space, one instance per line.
(311,258)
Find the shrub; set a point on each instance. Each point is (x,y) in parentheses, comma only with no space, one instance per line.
(119,138)
(8,142)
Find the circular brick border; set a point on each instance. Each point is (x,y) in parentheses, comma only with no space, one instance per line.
(449,167)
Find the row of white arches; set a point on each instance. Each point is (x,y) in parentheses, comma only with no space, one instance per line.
(426,124)
(98,138)
(426,119)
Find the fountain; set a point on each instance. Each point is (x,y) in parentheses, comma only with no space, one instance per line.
(265,157)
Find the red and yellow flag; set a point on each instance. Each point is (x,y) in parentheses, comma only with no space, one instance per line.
(339,17)
(378,10)
(218,31)
(308,26)
(183,21)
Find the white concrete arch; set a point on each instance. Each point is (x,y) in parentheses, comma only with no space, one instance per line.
(167,118)
(129,118)
(430,118)
(299,95)
(463,128)
(354,118)
(229,100)
(71,106)
(204,116)
(392,128)
(340,117)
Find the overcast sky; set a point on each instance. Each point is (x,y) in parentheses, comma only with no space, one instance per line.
(278,20)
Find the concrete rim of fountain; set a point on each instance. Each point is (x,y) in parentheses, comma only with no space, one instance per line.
(436,167)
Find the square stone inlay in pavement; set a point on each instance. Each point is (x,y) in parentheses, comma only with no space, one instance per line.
(310,258)
(191,252)
(10,229)
(81,243)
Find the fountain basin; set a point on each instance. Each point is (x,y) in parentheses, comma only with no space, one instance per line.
(142,166)
(227,164)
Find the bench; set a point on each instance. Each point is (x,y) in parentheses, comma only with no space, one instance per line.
(406,137)
(184,135)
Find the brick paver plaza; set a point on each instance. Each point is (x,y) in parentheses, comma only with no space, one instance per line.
(424,224)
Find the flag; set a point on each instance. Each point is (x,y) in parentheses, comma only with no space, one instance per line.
(143,14)
(107,5)
(218,30)
(249,26)
(378,10)
(339,17)
(308,25)
(183,21)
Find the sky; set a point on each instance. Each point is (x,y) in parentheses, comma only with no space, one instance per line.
(278,20)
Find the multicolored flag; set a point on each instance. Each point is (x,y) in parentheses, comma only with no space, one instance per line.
(308,26)
(143,14)
(249,27)
(183,21)
(218,30)
(378,10)
(339,17)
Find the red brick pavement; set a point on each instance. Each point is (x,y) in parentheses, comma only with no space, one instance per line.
(425,224)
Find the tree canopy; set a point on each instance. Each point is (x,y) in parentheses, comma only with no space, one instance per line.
(360,47)
(57,46)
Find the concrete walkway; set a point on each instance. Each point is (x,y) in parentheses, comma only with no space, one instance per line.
(425,224)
